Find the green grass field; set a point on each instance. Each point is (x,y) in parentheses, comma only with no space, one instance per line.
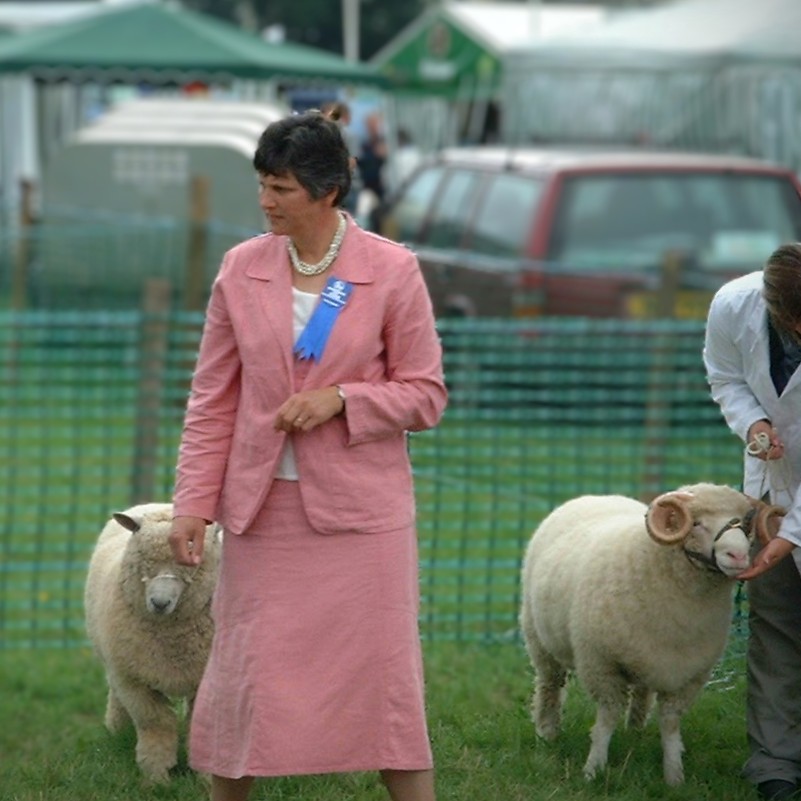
(53,746)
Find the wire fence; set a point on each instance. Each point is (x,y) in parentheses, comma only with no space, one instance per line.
(91,404)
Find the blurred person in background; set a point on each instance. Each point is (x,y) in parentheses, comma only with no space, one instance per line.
(372,156)
(339,111)
(752,351)
(401,161)
(319,353)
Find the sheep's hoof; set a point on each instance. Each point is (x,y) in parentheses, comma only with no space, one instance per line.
(548,731)
(591,768)
(150,778)
(547,722)
(155,773)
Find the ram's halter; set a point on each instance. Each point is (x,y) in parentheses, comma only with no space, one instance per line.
(711,562)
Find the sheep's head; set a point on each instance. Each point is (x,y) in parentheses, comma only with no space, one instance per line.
(715,525)
(153,581)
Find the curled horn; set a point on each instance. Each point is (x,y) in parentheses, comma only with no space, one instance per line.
(668,519)
(767,520)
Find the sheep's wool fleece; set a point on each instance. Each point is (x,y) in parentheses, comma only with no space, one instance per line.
(167,653)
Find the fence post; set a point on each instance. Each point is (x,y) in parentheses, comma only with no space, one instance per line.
(198,246)
(670,278)
(22,260)
(660,370)
(153,362)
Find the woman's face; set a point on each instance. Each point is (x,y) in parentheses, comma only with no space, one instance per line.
(288,206)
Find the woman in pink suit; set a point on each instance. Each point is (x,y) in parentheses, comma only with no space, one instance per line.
(319,354)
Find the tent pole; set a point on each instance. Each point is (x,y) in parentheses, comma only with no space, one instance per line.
(350,29)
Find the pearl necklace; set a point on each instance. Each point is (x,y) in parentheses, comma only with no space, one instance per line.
(333,250)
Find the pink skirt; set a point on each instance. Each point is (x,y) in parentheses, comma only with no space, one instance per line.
(316,663)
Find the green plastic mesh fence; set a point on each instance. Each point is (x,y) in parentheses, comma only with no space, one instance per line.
(103,262)
(91,405)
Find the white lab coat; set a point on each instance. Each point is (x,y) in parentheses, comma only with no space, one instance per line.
(737,359)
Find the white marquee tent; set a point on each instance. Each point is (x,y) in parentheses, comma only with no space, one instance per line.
(703,74)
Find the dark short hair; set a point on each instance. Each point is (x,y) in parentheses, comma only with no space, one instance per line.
(310,147)
(781,286)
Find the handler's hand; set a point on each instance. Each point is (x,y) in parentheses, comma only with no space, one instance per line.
(768,557)
(775,449)
(187,538)
(307,410)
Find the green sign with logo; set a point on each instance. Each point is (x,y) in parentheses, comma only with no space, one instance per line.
(442,59)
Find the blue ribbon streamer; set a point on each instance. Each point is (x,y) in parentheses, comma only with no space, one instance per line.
(311,343)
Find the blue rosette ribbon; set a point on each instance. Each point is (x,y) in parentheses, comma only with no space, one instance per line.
(312,341)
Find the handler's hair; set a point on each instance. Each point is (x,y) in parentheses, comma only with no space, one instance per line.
(336,110)
(310,147)
(782,287)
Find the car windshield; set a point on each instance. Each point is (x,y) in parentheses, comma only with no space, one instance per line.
(723,221)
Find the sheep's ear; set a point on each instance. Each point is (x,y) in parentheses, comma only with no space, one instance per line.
(133,524)
(668,519)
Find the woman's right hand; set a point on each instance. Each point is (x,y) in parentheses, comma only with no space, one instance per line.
(186,539)
(769,437)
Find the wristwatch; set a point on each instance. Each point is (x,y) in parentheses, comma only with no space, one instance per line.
(341,393)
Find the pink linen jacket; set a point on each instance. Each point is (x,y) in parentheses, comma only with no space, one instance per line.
(384,351)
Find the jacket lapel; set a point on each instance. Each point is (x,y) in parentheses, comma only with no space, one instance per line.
(270,275)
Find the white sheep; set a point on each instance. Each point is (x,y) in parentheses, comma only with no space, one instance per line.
(149,620)
(636,600)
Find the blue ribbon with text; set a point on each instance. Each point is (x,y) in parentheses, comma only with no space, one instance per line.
(311,343)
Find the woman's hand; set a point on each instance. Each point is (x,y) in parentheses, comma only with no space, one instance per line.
(187,537)
(309,409)
(763,441)
(768,557)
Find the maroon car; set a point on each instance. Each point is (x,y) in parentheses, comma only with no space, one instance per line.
(533,231)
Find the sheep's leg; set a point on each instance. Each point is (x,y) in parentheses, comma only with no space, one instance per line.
(672,745)
(549,695)
(610,691)
(639,706)
(605,721)
(116,717)
(671,708)
(549,681)
(156,730)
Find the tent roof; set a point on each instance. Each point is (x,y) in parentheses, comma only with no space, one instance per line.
(457,46)
(19,16)
(500,25)
(156,40)
(497,26)
(683,30)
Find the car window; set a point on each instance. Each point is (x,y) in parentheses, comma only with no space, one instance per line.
(452,209)
(405,219)
(724,221)
(505,217)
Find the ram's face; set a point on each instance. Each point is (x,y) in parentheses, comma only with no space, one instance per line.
(724,542)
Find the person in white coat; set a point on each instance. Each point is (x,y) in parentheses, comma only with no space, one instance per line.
(752,350)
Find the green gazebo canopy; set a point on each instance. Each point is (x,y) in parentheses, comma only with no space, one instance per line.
(161,40)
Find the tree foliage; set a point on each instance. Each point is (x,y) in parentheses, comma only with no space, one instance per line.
(317,22)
